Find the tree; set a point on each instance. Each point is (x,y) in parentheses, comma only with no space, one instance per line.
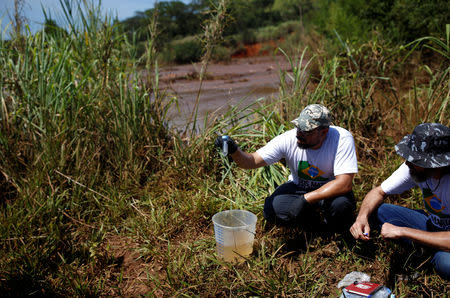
(292,9)
(249,14)
(406,20)
(175,20)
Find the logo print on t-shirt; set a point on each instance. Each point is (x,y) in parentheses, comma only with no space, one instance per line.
(309,172)
(432,202)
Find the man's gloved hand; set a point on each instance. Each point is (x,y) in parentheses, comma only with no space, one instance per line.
(226,145)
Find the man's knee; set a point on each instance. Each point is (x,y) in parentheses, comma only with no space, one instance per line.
(340,213)
(268,211)
(284,209)
(342,206)
(382,213)
(441,262)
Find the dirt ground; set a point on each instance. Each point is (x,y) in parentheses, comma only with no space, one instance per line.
(240,81)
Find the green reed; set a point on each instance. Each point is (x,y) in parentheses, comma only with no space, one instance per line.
(76,121)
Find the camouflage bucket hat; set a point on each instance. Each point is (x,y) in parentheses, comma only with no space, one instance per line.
(427,147)
(312,116)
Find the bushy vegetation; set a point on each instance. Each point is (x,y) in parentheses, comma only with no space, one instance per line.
(184,50)
(101,196)
(398,21)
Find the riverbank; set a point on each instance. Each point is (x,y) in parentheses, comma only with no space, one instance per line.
(240,81)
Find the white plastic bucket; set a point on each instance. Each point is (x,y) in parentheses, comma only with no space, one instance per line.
(234,232)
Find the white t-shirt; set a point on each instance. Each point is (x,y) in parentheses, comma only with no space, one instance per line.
(310,169)
(435,192)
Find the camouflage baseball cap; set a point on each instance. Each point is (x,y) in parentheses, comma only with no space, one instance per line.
(427,147)
(313,116)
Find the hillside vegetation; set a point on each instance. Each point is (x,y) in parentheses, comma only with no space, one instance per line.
(100,197)
(180,26)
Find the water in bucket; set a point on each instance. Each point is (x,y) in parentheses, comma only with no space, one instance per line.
(234,232)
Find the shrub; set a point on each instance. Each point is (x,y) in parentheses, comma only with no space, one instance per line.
(186,50)
(221,53)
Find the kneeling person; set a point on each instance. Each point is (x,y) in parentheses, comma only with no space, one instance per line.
(427,165)
(322,161)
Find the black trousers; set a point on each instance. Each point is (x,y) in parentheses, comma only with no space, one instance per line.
(287,206)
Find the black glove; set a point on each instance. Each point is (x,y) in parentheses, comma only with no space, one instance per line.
(226,145)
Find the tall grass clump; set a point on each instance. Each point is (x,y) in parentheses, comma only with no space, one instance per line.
(212,34)
(78,123)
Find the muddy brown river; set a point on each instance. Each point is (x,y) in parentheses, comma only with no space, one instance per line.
(238,82)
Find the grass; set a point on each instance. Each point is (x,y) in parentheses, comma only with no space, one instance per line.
(100,197)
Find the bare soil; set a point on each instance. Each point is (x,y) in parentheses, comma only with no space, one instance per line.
(238,82)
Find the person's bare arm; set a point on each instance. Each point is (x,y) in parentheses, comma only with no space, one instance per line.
(340,185)
(361,229)
(439,240)
(248,160)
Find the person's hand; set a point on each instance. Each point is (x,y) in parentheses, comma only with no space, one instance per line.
(390,231)
(360,229)
(226,145)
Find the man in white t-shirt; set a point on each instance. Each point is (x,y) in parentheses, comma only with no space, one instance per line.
(322,162)
(427,165)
